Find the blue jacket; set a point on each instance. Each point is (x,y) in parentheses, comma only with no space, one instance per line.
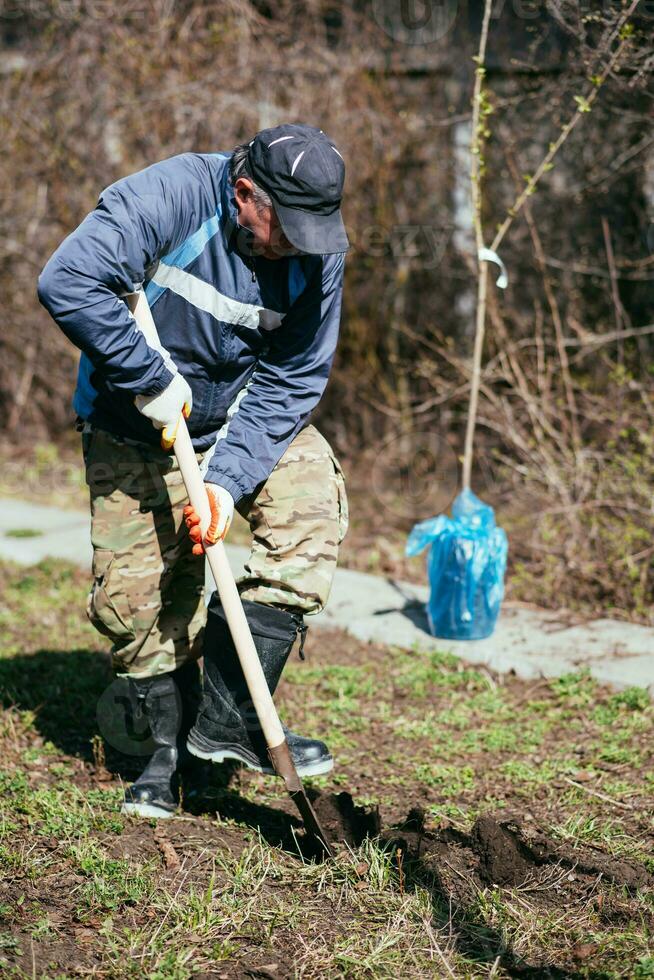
(255,338)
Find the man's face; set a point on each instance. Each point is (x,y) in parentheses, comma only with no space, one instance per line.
(267,237)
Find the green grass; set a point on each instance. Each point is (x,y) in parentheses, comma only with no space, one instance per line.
(110,884)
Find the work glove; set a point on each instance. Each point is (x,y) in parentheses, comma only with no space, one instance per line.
(221,504)
(166,409)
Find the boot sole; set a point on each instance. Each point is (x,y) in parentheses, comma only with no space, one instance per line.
(145,810)
(231,751)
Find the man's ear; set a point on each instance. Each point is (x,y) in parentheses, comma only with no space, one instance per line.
(243,190)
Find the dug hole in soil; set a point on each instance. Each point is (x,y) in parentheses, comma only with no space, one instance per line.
(497,851)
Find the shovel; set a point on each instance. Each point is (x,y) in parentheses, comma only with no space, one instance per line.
(278,750)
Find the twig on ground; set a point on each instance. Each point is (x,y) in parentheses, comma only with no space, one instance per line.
(594,792)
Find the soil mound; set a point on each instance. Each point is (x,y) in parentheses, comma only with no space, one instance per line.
(500,851)
(497,851)
(504,859)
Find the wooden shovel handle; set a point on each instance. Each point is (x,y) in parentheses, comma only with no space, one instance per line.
(217,556)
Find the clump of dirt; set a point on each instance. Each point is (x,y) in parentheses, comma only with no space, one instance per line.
(501,852)
(588,861)
(343,821)
(504,859)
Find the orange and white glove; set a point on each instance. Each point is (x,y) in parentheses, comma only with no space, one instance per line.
(166,409)
(221,504)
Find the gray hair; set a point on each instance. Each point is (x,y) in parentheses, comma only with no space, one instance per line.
(238,167)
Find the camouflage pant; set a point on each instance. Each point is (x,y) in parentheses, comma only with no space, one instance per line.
(147,593)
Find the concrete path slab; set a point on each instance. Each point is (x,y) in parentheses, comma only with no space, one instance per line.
(57,533)
(531,642)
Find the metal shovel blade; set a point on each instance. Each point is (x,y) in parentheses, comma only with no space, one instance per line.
(282,761)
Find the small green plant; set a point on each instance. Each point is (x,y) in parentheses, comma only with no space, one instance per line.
(23,532)
(111,883)
(42,928)
(644,968)
(633,698)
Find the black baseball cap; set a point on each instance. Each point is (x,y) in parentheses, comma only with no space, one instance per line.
(303,172)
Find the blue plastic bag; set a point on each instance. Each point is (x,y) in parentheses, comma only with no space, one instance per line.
(466,566)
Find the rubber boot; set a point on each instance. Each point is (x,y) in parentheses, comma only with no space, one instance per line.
(169,703)
(227,726)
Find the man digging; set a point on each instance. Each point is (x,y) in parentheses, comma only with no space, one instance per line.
(241,257)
